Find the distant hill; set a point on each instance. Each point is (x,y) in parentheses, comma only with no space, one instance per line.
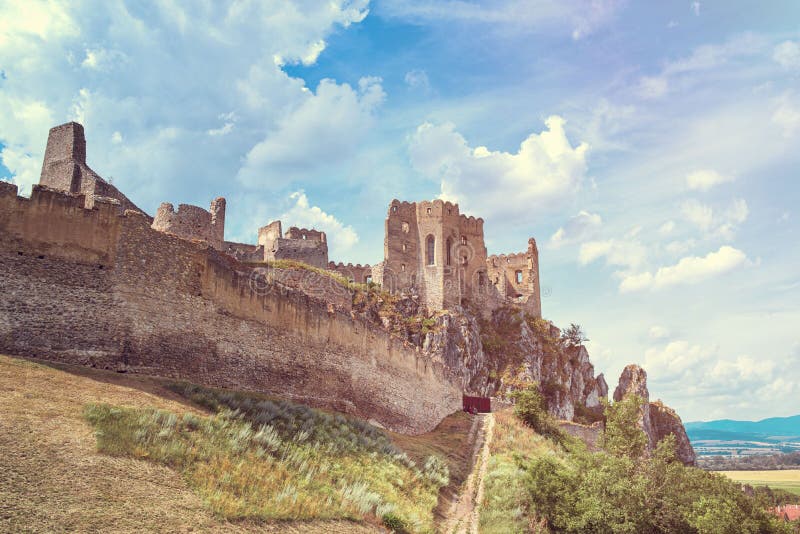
(772,429)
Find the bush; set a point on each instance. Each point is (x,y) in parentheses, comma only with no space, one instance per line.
(530,408)
(395,523)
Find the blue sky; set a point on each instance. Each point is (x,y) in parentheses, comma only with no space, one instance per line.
(649,147)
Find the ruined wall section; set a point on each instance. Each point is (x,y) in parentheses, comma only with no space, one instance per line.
(193,222)
(91,287)
(516,277)
(298,244)
(471,251)
(64,168)
(399,272)
(360,274)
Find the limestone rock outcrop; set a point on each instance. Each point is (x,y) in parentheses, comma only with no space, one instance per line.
(516,350)
(656,419)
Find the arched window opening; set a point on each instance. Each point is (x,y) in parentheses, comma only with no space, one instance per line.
(430,250)
(449,259)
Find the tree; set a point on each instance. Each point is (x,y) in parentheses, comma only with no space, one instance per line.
(623,435)
(573,336)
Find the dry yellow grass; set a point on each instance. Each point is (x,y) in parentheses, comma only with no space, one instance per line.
(53,480)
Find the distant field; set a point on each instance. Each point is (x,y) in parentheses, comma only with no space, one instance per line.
(788,479)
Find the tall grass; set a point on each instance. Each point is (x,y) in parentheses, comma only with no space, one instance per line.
(270,460)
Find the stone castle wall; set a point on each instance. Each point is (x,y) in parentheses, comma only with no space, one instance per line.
(298,244)
(93,287)
(516,277)
(360,274)
(193,222)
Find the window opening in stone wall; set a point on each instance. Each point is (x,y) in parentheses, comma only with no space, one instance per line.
(404,247)
(449,248)
(394,209)
(405,227)
(368,279)
(428,211)
(403,267)
(518,275)
(430,249)
(463,240)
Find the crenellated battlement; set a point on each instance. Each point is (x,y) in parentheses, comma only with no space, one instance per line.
(193,222)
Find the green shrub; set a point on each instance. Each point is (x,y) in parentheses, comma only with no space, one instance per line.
(530,408)
(395,523)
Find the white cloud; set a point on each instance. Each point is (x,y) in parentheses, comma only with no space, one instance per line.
(547,16)
(579,227)
(707,57)
(658,332)
(689,270)
(618,252)
(325,128)
(417,79)
(667,228)
(699,214)
(680,247)
(787,54)
(62,57)
(545,170)
(101,59)
(341,237)
(787,114)
(705,179)
(719,223)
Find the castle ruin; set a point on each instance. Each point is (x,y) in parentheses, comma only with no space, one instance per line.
(169,296)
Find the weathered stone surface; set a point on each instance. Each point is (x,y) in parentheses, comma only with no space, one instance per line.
(93,287)
(656,420)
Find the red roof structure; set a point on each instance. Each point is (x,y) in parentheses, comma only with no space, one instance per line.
(788,512)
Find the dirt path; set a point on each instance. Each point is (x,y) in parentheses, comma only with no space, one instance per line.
(464,514)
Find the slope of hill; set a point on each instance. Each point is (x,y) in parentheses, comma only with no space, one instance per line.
(743,438)
(79,455)
(774,427)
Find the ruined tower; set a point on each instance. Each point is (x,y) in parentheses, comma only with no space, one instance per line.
(64,167)
(193,222)
(433,251)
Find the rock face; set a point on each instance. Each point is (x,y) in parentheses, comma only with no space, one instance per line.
(656,420)
(518,350)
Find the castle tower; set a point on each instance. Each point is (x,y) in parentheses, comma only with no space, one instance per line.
(63,158)
(218,222)
(433,251)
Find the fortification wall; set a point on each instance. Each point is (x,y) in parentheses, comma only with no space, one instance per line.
(361,274)
(516,277)
(92,287)
(193,222)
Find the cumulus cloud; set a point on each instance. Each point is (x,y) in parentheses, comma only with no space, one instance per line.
(341,237)
(325,128)
(579,227)
(626,253)
(787,54)
(705,179)
(658,332)
(689,270)
(699,376)
(60,62)
(546,169)
(721,223)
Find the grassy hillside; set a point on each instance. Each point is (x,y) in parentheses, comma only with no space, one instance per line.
(86,449)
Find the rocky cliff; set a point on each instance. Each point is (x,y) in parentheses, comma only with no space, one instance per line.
(657,420)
